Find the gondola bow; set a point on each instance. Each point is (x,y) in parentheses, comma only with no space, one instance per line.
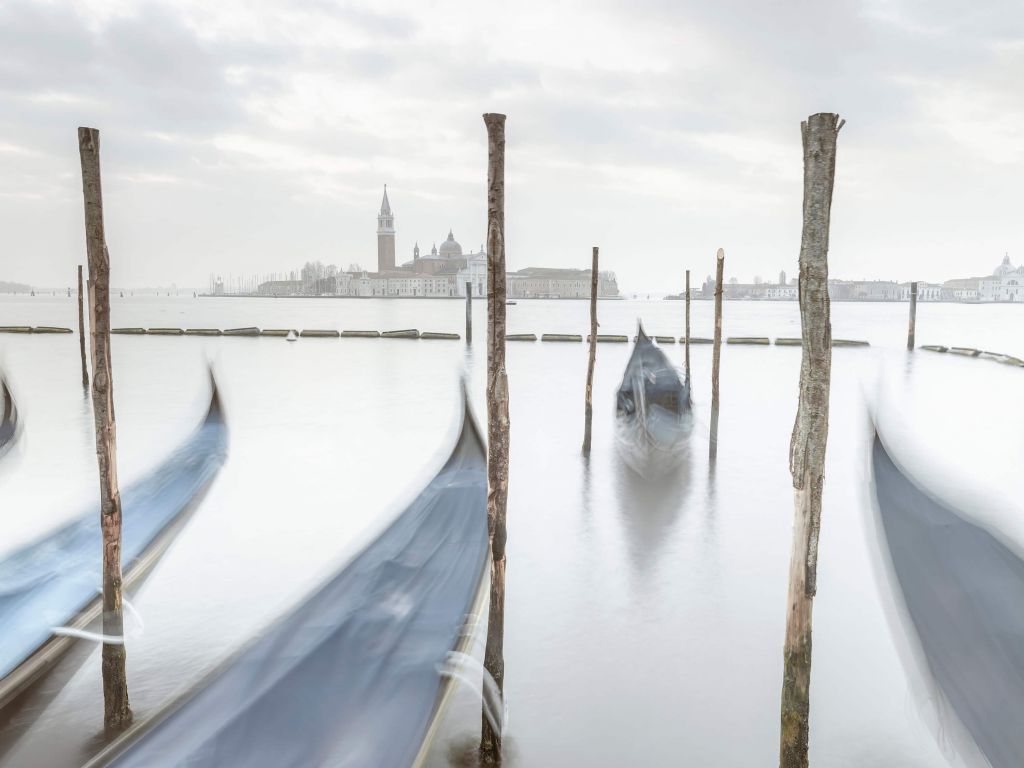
(962,588)
(351,675)
(54,582)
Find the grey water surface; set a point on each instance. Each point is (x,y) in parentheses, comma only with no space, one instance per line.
(644,622)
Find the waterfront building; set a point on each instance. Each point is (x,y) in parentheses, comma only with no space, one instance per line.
(782,291)
(961,289)
(925,291)
(443,273)
(1006,283)
(553,283)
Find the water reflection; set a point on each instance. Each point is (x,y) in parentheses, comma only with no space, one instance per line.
(650,509)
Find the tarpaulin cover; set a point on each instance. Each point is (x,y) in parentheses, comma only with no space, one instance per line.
(653,410)
(964,592)
(350,677)
(46,584)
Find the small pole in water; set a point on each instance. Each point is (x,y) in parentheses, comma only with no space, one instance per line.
(497,421)
(81,330)
(810,433)
(117,714)
(469,312)
(912,331)
(687,336)
(716,357)
(588,408)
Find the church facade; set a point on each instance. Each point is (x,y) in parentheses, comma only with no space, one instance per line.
(1006,283)
(446,272)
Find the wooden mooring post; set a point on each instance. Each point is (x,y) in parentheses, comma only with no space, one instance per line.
(588,407)
(810,432)
(686,337)
(117,713)
(912,330)
(81,330)
(469,312)
(497,422)
(716,356)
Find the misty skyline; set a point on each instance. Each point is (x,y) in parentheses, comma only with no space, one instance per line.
(253,137)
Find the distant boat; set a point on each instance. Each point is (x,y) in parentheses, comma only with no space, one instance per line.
(53,581)
(654,413)
(32,293)
(962,588)
(292,336)
(8,420)
(350,676)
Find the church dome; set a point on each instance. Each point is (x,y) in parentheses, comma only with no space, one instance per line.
(1005,268)
(450,249)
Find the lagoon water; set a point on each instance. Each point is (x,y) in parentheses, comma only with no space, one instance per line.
(644,622)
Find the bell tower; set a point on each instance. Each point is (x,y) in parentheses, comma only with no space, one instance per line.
(385,236)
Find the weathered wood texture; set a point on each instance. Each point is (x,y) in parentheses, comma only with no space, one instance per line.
(716,356)
(588,406)
(687,336)
(469,313)
(81,330)
(497,419)
(810,432)
(117,713)
(912,330)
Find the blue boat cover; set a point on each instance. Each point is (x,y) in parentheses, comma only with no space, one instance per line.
(963,590)
(350,677)
(48,583)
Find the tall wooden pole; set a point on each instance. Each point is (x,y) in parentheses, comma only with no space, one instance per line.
(497,419)
(810,432)
(116,712)
(716,357)
(469,312)
(912,331)
(81,330)
(588,408)
(686,338)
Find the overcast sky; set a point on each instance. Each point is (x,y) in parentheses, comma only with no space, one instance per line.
(241,136)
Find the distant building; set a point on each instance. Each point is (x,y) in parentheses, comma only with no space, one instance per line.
(1005,284)
(961,289)
(385,235)
(782,291)
(864,290)
(925,291)
(552,283)
(443,273)
(281,288)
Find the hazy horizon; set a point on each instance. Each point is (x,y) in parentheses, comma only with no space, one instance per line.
(250,138)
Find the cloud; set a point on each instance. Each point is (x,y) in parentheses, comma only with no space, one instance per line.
(658,131)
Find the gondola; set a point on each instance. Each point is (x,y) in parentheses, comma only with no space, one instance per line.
(8,419)
(654,413)
(351,675)
(962,589)
(53,583)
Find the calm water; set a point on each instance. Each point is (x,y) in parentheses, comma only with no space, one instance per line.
(644,624)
